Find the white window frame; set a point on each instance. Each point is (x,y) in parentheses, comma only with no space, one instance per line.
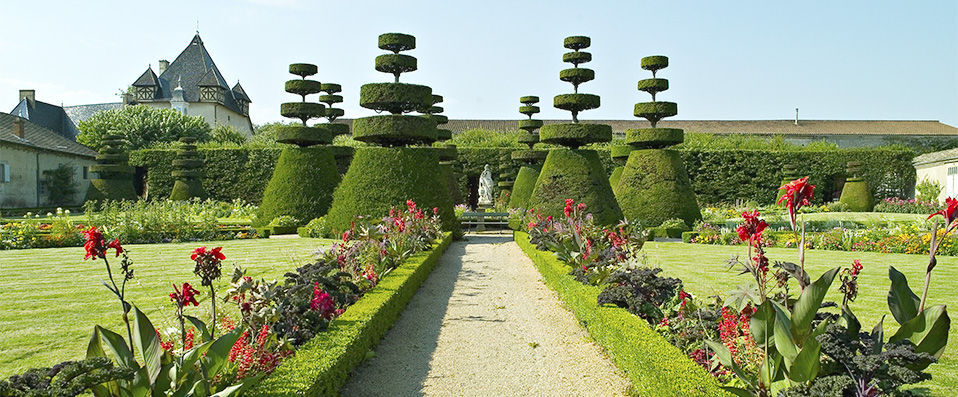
(951,181)
(4,172)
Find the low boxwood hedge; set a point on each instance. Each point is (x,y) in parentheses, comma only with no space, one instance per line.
(655,367)
(322,366)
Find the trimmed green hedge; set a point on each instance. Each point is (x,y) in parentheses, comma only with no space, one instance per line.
(575,134)
(397,42)
(655,186)
(647,138)
(301,186)
(302,110)
(576,76)
(523,186)
(576,102)
(394,129)
(653,86)
(576,42)
(655,367)
(578,175)
(655,62)
(301,135)
(303,69)
(322,366)
(655,110)
(529,99)
(857,195)
(577,57)
(303,87)
(381,178)
(395,63)
(395,98)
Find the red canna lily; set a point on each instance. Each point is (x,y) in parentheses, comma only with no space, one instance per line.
(115,244)
(798,193)
(93,244)
(950,212)
(750,231)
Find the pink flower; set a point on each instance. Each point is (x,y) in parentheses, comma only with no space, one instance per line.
(322,302)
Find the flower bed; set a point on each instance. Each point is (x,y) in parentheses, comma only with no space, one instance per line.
(655,367)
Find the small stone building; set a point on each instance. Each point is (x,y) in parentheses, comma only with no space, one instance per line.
(26,151)
(941,167)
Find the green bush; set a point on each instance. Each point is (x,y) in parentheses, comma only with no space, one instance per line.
(141,126)
(378,178)
(114,177)
(616,176)
(652,364)
(394,129)
(301,186)
(575,134)
(654,138)
(394,98)
(524,185)
(59,185)
(187,172)
(322,366)
(578,175)
(928,190)
(655,186)
(857,196)
(227,134)
(479,138)
(316,228)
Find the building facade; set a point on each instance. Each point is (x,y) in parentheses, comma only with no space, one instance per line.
(940,167)
(193,85)
(27,152)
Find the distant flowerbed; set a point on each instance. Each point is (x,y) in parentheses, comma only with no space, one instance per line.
(132,222)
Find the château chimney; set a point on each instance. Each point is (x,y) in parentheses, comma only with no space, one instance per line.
(796,116)
(18,127)
(163,65)
(30,95)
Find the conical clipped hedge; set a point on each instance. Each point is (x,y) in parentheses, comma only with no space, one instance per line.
(531,159)
(114,176)
(654,185)
(619,154)
(573,173)
(306,174)
(856,193)
(380,178)
(188,171)
(447,153)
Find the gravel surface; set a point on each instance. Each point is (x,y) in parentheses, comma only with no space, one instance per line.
(483,324)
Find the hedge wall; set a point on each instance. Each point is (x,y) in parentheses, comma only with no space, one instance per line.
(655,367)
(717,175)
(322,365)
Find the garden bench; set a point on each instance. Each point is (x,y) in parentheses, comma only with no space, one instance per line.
(482,219)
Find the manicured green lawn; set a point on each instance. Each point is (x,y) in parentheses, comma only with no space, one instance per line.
(52,298)
(703,270)
(863,217)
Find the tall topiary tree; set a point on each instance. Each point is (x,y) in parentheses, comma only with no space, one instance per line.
(447,152)
(187,172)
(114,176)
(305,175)
(654,185)
(856,193)
(388,174)
(507,176)
(530,159)
(573,173)
(619,154)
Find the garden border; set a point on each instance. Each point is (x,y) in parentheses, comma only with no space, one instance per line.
(322,365)
(652,364)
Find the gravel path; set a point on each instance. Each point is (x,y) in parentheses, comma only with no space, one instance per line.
(483,324)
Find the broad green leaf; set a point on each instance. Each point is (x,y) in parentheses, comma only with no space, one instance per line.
(725,357)
(201,326)
(783,336)
(762,324)
(878,335)
(770,368)
(808,304)
(217,352)
(806,364)
(737,391)
(144,338)
(117,345)
(928,331)
(141,385)
(902,302)
(95,347)
(851,323)
(189,358)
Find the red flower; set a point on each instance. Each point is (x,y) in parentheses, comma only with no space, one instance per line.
(94,243)
(435,210)
(856,267)
(950,212)
(346,236)
(411,205)
(580,207)
(185,296)
(751,229)
(568,207)
(798,193)
(203,254)
(322,302)
(115,244)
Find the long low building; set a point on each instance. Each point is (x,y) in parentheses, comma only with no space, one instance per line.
(845,133)
(940,167)
(27,152)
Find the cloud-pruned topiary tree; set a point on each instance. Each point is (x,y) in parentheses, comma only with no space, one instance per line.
(531,159)
(386,175)
(573,173)
(114,176)
(187,172)
(654,185)
(619,154)
(305,174)
(507,176)
(447,152)
(856,193)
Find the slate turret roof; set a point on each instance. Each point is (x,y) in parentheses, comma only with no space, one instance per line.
(195,68)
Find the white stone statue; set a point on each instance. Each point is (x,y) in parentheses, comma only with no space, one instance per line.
(485,187)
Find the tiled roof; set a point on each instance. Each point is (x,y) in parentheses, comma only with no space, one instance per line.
(192,68)
(51,117)
(950,155)
(784,127)
(240,93)
(39,137)
(80,113)
(147,79)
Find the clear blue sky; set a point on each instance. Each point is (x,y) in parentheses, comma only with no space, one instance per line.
(729,60)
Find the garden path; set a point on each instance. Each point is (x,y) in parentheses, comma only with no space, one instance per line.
(484,324)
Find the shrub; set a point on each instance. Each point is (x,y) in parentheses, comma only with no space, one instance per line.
(856,193)
(928,190)
(479,138)
(187,172)
(59,185)
(654,185)
(316,228)
(227,134)
(141,126)
(114,178)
